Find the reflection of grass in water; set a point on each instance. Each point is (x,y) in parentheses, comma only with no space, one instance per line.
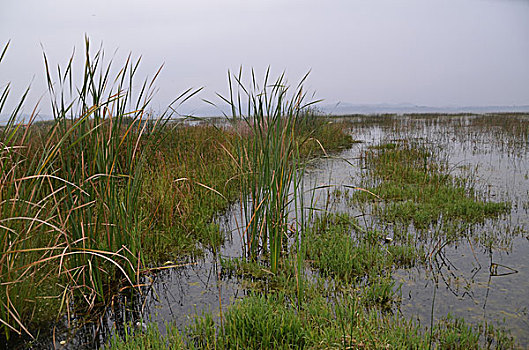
(418,189)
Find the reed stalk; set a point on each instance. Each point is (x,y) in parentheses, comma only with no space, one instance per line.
(69,189)
(267,155)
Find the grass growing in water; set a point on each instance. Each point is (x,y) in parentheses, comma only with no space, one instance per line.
(180,208)
(75,191)
(418,188)
(330,316)
(267,155)
(345,309)
(189,158)
(338,247)
(348,303)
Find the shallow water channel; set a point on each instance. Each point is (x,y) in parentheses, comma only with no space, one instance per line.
(484,279)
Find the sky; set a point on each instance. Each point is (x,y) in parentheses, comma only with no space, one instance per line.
(425,52)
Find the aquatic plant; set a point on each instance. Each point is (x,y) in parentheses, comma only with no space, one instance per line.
(69,192)
(418,187)
(337,248)
(326,320)
(267,155)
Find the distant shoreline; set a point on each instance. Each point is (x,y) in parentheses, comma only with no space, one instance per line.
(340,110)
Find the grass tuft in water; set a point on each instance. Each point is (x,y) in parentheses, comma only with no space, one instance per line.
(338,247)
(69,193)
(418,188)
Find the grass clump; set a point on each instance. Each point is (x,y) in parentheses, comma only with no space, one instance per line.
(135,338)
(455,333)
(418,188)
(185,169)
(272,131)
(256,322)
(323,321)
(69,194)
(338,247)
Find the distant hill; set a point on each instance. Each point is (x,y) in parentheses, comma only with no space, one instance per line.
(24,117)
(344,108)
(404,108)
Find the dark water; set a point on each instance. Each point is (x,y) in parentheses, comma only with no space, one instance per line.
(484,278)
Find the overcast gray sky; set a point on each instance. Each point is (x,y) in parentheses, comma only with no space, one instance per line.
(428,52)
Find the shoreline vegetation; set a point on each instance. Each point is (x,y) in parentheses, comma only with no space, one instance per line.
(106,193)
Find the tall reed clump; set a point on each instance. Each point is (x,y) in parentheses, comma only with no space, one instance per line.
(69,193)
(267,156)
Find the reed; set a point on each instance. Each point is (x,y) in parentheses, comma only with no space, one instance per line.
(267,156)
(69,192)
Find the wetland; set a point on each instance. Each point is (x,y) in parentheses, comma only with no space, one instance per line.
(273,227)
